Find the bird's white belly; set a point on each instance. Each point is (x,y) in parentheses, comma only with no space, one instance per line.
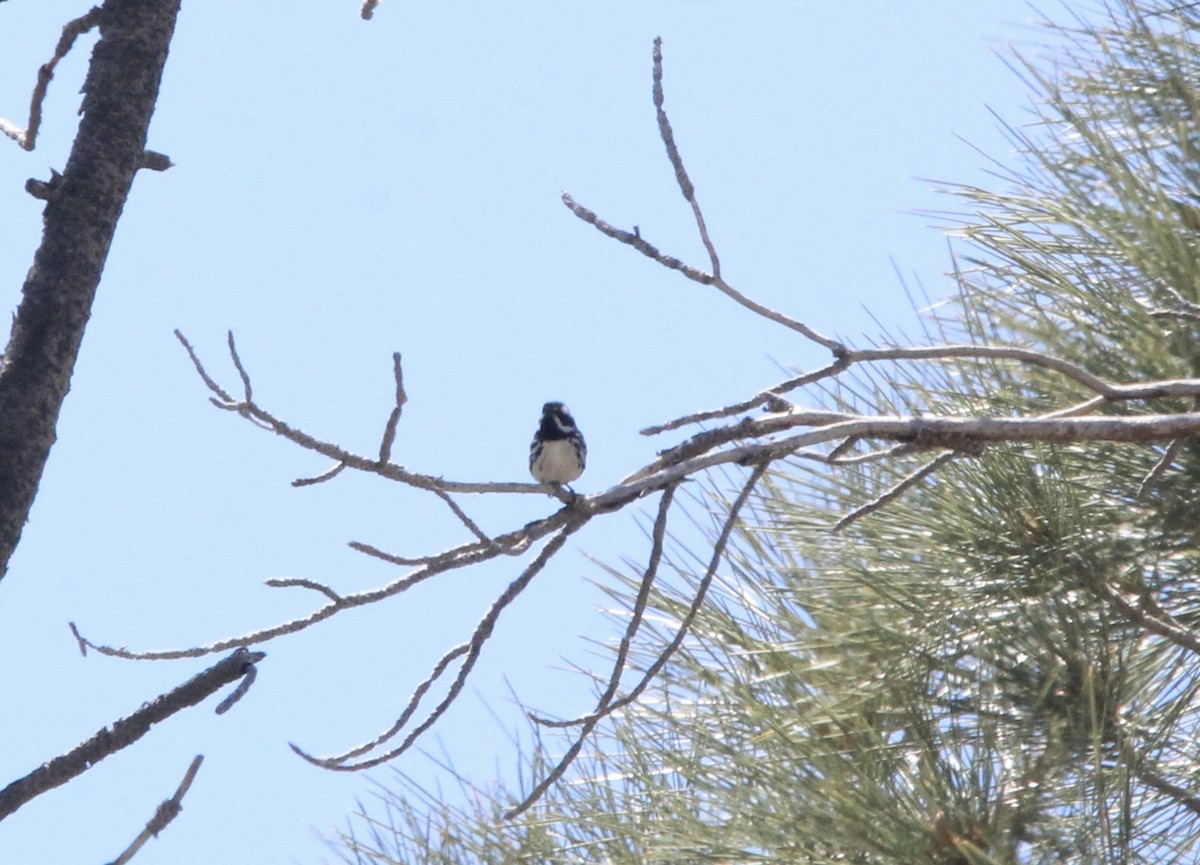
(559,464)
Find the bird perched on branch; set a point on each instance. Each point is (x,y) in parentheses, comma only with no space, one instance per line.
(558,453)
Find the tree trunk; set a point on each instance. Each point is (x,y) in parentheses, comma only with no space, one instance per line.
(80,219)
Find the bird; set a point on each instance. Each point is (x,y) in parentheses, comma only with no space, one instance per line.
(557,454)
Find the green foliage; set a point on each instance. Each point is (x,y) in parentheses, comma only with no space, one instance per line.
(965,675)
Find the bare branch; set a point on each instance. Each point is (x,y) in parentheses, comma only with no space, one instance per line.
(688,189)
(264,419)
(222,395)
(1078,409)
(836,457)
(125,731)
(700,453)
(27,137)
(167,811)
(458,557)
(895,492)
(389,431)
(248,391)
(1106,391)
(462,516)
(769,398)
(681,176)
(658,536)
(470,653)
(634,239)
(299,582)
(681,632)
(393,559)
(1160,468)
(321,478)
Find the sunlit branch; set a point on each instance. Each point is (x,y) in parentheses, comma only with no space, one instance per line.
(1107,392)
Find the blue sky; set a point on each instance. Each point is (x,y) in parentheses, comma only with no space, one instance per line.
(346,189)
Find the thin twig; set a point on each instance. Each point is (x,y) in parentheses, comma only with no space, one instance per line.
(688,190)
(1164,462)
(835,458)
(300,582)
(469,652)
(665,655)
(763,398)
(327,475)
(247,390)
(635,240)
(472,527)
(895,492)
(167,811)
(1186,314)
(393,559)
(248,678)
(681,176)
(27,137)
(221,393)
(658,536)
(1160,468)
(389,430)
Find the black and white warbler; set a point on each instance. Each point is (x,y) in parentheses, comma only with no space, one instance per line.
(558,453)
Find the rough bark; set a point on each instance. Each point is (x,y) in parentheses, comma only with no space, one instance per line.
(80,219)
(126,731)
